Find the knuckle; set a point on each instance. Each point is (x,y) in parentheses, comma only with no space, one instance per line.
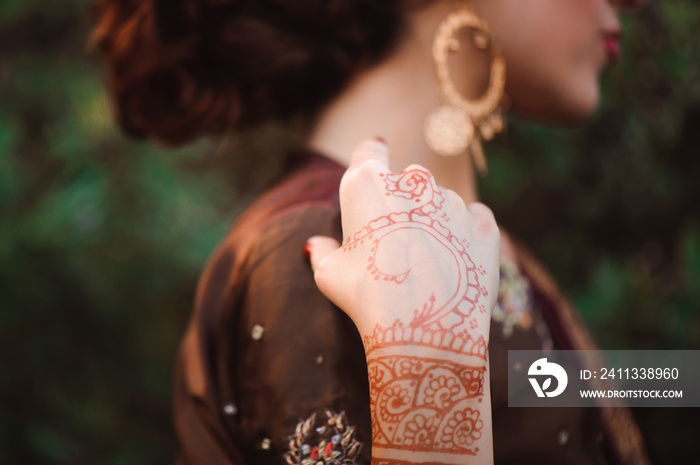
(322,275)
(487,228)
(454,199)
(417,167)
(365,170)
(361,176)
(478,208)
(485,225)
(370,167)
(484,219)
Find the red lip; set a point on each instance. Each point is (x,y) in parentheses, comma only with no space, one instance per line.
(611,40)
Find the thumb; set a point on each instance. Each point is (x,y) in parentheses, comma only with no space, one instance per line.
(318,248)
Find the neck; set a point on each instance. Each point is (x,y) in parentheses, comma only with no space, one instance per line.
(392,100)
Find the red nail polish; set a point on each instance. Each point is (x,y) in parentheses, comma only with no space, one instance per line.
(307,251)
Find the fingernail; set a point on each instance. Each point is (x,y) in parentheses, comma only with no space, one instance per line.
(307,251)
(380,139)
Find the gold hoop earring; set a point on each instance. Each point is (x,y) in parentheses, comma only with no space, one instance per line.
(460,124)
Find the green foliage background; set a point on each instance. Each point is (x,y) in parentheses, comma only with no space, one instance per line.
(102,238)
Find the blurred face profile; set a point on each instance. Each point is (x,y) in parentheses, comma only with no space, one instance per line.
(555,51)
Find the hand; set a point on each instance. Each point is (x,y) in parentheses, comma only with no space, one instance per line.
(418,274)
(412,252)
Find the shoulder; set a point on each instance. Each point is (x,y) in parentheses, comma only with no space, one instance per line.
(293,352)
(275,227)
(262,336)
(273,282)
(302,202)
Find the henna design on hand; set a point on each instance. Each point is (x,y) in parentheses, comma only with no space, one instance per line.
(427,404)
(434,323)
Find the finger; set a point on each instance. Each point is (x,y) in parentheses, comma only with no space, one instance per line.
(361,187)
(485,222)
(320,247)
(458,213)
(321,251)
(487,246)
(455,202)
(370,149)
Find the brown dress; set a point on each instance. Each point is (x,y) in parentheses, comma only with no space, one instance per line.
(265,350)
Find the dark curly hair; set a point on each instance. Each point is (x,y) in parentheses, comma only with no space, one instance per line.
(180,69)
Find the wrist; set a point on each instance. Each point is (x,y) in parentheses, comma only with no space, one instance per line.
(459,342)
(429,391)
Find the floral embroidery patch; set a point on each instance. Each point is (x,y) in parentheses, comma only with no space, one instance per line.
(332,443)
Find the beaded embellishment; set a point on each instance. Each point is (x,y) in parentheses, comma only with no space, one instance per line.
(514,304)
(332,443)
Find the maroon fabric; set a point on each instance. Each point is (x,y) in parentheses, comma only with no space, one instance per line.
(310,356)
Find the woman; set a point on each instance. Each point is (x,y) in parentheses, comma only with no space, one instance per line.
(270,370)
